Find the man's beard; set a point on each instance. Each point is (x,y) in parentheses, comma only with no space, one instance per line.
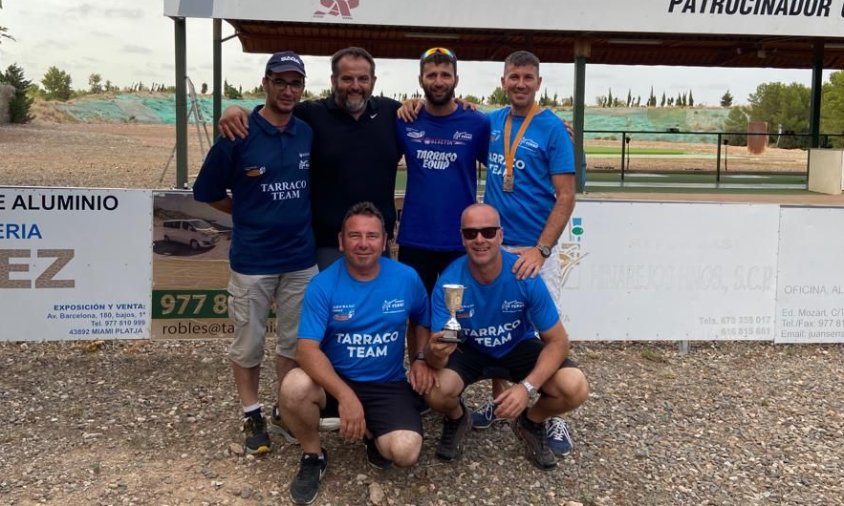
(439,101)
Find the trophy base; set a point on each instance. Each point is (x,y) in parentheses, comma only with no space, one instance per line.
(450,337)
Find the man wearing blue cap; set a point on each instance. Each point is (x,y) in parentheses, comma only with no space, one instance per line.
(272,255)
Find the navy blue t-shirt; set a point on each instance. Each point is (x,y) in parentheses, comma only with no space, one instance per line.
(441,153)
(268,174)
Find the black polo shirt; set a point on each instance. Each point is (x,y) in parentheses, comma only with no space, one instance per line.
(351,161)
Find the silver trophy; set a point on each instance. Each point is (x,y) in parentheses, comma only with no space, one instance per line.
(453,302)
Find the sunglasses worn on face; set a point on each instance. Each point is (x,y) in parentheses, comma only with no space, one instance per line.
(438,50)
(486,232)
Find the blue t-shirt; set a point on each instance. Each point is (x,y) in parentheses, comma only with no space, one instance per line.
(440,152)
(268,175)
(545,150)
(497,316)
(361,325)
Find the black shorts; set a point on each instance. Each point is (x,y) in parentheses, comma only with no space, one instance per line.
(386,406)
(472,365)
(429,264)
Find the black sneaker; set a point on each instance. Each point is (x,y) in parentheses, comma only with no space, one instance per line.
(257,440)
(305,486)
(451,441)
(374,457)
(535,440)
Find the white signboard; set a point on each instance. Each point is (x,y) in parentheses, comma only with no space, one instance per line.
(670,271)
(809,18)
(75,263)
(810,296)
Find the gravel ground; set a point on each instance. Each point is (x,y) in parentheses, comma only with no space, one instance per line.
(158,422)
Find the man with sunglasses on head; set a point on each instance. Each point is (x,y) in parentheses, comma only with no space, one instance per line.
(441,148)
(355,151)
(510,329)
(272,255)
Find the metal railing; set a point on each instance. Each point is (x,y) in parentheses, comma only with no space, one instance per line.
(794,156)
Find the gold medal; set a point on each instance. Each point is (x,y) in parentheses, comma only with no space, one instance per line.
(510,149)
(507,184)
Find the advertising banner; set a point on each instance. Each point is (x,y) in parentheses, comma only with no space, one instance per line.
(75,263)
(669,271)
(810,295)
(812,18)
(190,244)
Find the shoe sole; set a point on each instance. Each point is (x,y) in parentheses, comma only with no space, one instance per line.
(446,458)
(379,468)
(561,454)
(275,430)
(529,455)
(331,424)
(258,451)
(490,424)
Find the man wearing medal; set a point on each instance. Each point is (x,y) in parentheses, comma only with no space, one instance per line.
(531,181)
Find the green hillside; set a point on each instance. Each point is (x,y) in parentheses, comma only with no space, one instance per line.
(160,108)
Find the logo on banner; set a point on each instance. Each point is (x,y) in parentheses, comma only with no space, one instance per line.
(571,252)
(341,8)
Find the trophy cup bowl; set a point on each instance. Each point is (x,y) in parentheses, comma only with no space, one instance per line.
(453,302)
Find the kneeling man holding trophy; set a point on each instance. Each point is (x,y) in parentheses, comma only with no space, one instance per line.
(499,327)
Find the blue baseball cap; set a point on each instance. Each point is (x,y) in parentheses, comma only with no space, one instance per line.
(285,61)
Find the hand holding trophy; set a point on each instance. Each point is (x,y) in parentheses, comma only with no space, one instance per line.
(453,302)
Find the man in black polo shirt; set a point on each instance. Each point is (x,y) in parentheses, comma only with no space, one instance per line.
(355,152)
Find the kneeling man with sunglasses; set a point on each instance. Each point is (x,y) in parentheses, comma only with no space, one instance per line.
(510,330)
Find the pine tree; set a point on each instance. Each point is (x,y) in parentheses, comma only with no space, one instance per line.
(20,103)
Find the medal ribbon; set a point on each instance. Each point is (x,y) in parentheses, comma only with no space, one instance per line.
(510,150)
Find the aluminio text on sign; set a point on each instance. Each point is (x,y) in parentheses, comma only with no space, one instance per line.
(75,263)
(809,18)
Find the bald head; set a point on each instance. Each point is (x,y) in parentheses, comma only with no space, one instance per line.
(480,213)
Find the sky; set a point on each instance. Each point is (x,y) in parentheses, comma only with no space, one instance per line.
(129,41)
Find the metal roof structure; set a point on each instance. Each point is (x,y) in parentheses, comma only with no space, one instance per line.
(690,50)
(796,34)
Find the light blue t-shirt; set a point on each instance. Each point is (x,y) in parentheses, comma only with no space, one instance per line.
(361,325)
(497,316)
(440,153)
(545,150)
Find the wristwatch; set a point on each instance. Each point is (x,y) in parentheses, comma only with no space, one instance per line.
(419,356)
(545,251)
(533,393)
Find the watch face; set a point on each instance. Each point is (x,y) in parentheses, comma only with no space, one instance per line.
(545,251)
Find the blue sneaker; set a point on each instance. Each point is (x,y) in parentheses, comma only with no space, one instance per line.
(484,416)
(559,438)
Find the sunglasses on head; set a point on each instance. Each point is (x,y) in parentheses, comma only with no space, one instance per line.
(486,232)
(438,50)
